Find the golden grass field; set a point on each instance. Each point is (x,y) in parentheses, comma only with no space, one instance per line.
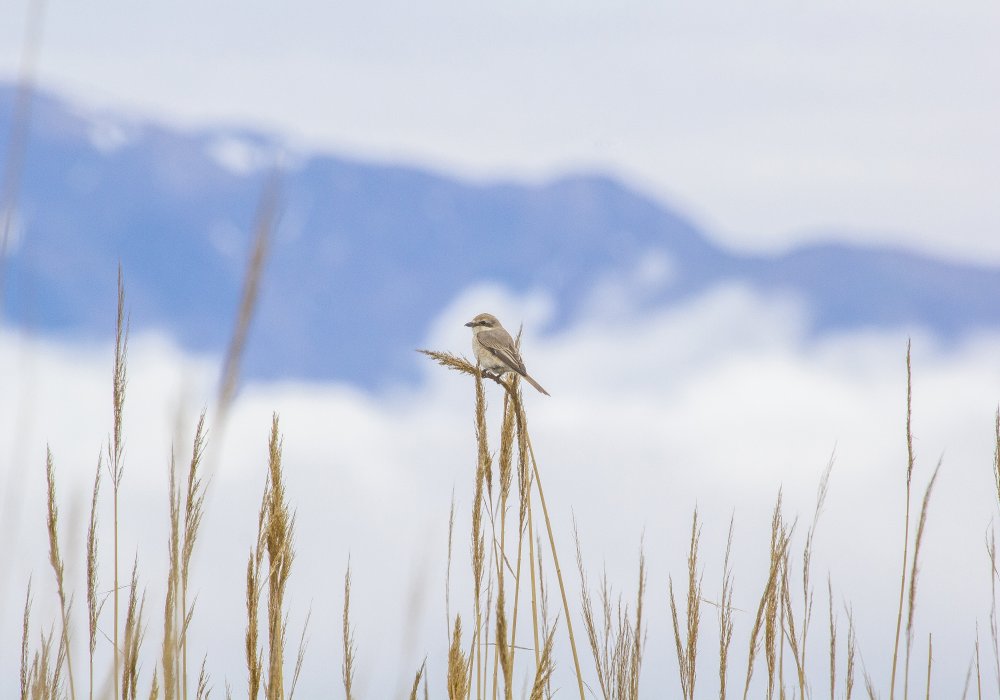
(512,542)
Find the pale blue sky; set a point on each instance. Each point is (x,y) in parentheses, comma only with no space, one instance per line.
(770,124)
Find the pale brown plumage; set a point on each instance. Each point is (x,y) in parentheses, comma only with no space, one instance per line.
(496,351)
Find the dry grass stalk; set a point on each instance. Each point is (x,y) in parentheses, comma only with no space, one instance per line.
(300,655)
(512,419)
(639,632)
(979,675)
(416,680)
(278,535)
(55,559)
(447,576)
(930,659)
(202,691)
(726,613)
(537,583)
(484,632)
(154,688)
(617,644)
(252,651)
(194,502)
(555,556)
(687,648)
(504,650)
(851,652)
(991,551)
(788,629)
(914,571)
(542,602)
(458,665)
(347,668)
(833,642)
(116,448)
(461,364)
(93,607)
(509,432)
(906,520)
(968,679)
(870,686)
(478,537)
(169,657)
(996,454)
(773,607)
(25,626)
(265,222)
(133,638)
(42,680)
(767,608)
(598,649)
(543,674)
(506,478)
(506,458)
(807,592)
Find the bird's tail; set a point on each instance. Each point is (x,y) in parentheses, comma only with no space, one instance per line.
(535,384)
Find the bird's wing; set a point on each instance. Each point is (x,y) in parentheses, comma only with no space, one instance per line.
(501,345)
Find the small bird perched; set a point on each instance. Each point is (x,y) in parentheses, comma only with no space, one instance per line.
(495,350)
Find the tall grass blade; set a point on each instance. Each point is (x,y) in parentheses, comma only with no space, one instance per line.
(906,520)
(55,559)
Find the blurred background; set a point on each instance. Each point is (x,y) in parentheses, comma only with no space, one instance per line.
(719,226)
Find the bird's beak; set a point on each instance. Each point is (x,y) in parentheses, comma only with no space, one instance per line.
(469,324)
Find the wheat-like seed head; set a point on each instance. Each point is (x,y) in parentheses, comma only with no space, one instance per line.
(458,665)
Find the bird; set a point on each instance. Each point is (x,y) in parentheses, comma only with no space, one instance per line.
(495,349)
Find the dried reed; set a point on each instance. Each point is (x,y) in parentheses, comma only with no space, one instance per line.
(347,668)
(851,651)
(687,648)
(543,674)
(906,520)
(202,692)
(930,659)
(458,665)
(914,570)
(93,607)
(504,651)
(172,679)
(616,644)
(133,637)
(25,627)
(278,536)
(726,613)
(55,559)
(483,468)
(194,501)
(460,364)
(300,655)
(767,608)
(116,448)
(265,221)
(416,680)
(833,641)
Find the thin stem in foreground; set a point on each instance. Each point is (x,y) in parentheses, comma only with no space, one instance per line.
(906,522)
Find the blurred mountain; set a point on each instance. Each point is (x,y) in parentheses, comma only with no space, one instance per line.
(366,254)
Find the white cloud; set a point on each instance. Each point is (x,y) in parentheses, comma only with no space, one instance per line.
(108,135)
(239,156)
(719,403)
